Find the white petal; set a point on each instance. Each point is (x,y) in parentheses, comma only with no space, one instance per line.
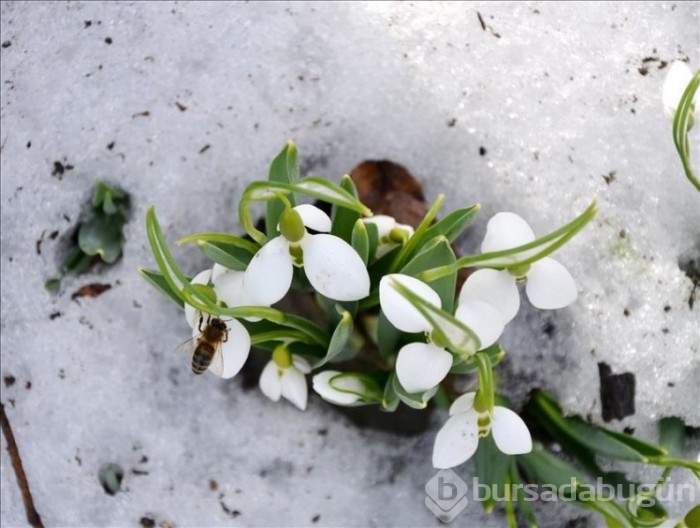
(229,288)
(314,218)
(421,366)
(321,384)
(270,383)
(510,432)
(677,80)
(384,224)
(463,404)
(457,441)
(498,288)
(269,274)
(192,315)
(301,364)
(396,307)
(216,270)
(235,349)
(294,387)
(505,231)
(334,268)
(483,319)
(550,285)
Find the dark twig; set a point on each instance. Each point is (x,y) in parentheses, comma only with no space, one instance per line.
(33,517)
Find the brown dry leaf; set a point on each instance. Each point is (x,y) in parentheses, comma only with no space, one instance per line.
(91,290)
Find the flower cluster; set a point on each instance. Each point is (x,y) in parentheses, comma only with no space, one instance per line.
(371,286)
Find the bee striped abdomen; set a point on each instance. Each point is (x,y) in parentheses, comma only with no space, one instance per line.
(202,357)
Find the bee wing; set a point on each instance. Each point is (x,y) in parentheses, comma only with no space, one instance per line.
(217,362)
(187,346)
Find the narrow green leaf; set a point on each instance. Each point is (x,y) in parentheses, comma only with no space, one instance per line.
(418,239)
(681,125)
(343,219)
(390,400)
(156,279)
(524,505)
(454,224)
(387,337)
(646,449)
(284,169)
(491,469)
(229,256)
(360,240)
(340,337)
(533,251)
(331,193)
(672,436)
(225,238)
(597,439)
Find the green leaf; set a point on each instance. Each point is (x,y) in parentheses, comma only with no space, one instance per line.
(491,469)
(390,399)
(692,518)
(228,255)
(156,279)
(52,285)
(544,468)
(102,235)
(76,261)
(454,224)
(105,198)
(387,337)
(340,337)
(682,121)
(343,219)
(284,169)
(232,240)
(672,436)
(645,449)
(418,239)
(597,439)
(533,251)
(360,241)
(414,400)
(524,505)
(437,253)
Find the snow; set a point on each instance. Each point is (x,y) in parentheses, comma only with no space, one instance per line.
(552,91)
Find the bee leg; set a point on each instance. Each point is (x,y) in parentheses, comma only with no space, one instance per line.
(201,319)
(225,336)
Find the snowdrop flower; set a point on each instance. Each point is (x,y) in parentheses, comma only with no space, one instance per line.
(422,366)
(284,377)
(549,285)
(332,266)
(677,80)
(458,439)
(236,346)
(339,388)
(389,232)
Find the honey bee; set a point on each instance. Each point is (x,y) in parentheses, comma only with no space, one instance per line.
(205,348)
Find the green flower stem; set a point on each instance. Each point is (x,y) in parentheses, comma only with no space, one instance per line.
(485,394)
(682,122)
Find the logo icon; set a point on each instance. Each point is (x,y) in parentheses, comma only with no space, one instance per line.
(447,495)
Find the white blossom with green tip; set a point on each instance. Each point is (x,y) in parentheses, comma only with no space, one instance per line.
(422,366)
(549,284)
(332,266)
(458,439)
